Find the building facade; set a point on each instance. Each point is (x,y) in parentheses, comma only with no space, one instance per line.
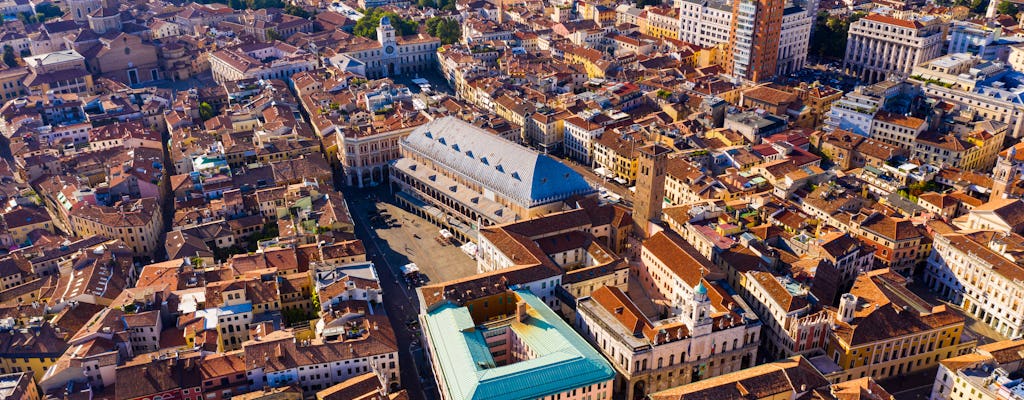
(138,223)
(478,178)
(979,272)
(393,54)
(754,39)
(880,45)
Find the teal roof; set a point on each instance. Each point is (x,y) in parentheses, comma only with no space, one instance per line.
(563,361)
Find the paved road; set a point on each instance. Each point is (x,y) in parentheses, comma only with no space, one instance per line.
(915,386)
(918,393)
(594,179)
(983,332)
(399,301)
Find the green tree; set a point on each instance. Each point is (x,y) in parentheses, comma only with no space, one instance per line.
(642,3)
(446,29)
(205,111)
(261,4)
(47,11)
(830,34)
(9,57)
(27,18)
(1007,8)
(272,35)
(444,5)
(315,298)
(297,11)
(367,25)
(979,6)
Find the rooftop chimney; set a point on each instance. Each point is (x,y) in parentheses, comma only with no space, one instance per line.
(521,314)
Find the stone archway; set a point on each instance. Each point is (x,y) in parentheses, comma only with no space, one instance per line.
(639,390)
(377,175)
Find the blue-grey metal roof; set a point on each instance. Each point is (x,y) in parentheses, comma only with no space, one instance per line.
(504,167)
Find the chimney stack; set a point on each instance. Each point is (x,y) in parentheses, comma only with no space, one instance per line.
(521,311)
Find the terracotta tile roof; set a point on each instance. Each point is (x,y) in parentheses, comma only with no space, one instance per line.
(860,389)
(778,293)
(1004,352)
(278,350)
(899,119)
(222,365)
(887,310)
(348,248)
(680,257)
(152,376)
(1010,210)
(144,319)
(884,19)
(780,379)
(895,229)
(766,94)
(619,305)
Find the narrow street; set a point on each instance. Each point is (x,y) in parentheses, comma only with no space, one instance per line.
(400,302)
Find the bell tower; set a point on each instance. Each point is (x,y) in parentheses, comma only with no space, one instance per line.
(650,187)
(1004,174)
(697,314)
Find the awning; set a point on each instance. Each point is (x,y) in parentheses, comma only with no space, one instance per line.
(410,268)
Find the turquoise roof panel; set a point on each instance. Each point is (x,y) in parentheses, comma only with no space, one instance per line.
(563,360)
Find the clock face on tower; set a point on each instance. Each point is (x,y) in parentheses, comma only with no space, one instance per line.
(389,49)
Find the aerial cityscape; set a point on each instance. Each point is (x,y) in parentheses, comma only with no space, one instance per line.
(512,200)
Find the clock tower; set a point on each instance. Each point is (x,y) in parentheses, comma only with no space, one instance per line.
(386,36)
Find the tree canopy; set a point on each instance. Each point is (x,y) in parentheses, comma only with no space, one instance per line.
(297,11)
(9,57)
(830,34)
(47,11)
(367,25)
(446,5)
(205,111)
(642,3)
(446,29)
(1007,8)
(272,35)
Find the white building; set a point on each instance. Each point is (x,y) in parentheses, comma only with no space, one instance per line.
(793,40)
(392,54)
(856,110)
(879,46)
(11,8)
(273,60)
(709,330)
(278,359)
(793,320)
(986,41)
(1003,215)
(579,138)
(704,22)
(982,375)
(988,88)
(981,272)
(335,285)
(897,129)
(143,331)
